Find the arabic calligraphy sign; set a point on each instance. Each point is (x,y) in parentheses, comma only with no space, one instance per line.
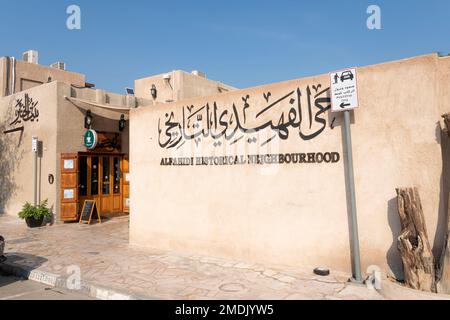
(300,112)
(247,129)
(25,110)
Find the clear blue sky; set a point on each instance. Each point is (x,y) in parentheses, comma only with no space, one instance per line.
(242,43)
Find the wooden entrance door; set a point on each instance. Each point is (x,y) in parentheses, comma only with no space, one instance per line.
(100,179)
(111,184)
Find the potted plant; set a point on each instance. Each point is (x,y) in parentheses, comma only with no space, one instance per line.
(34,215)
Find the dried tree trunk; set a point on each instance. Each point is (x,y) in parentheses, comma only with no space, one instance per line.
(415,249)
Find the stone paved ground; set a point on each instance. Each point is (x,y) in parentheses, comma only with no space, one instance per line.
(107,261)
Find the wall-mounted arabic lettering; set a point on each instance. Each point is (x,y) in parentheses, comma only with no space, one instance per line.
(302,110)
(21,129)
(25,110)
(332,123)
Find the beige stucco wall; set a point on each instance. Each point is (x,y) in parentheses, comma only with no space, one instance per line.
(71,115)
(295,214)
(182,85)
(39,73)
(16,157)
(28,75)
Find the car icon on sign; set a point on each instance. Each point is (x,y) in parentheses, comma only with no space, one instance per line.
(347,75)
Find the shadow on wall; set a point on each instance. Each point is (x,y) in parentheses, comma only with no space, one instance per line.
(393,257)
(10,157)
(441,227)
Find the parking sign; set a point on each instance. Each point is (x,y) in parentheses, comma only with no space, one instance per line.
(344,90)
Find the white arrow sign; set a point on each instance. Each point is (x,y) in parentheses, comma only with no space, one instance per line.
(344,90)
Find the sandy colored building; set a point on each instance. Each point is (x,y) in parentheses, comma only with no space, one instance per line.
(178,85)
(258,174)
(59,107)
(255,174)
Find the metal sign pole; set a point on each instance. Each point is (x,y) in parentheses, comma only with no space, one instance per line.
(351,183)
(35,159)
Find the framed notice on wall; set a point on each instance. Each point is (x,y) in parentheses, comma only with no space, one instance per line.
(68,164)
(69,193)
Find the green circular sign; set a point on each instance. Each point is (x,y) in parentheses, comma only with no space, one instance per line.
(90,139)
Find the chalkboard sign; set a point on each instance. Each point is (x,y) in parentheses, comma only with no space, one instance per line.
(89,212)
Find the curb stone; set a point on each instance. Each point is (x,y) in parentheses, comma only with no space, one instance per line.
(60,282)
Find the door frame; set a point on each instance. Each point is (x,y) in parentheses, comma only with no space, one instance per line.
(99,198)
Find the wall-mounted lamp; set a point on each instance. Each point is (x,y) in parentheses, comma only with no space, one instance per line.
(122,122)
(153,91)
(88,120)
